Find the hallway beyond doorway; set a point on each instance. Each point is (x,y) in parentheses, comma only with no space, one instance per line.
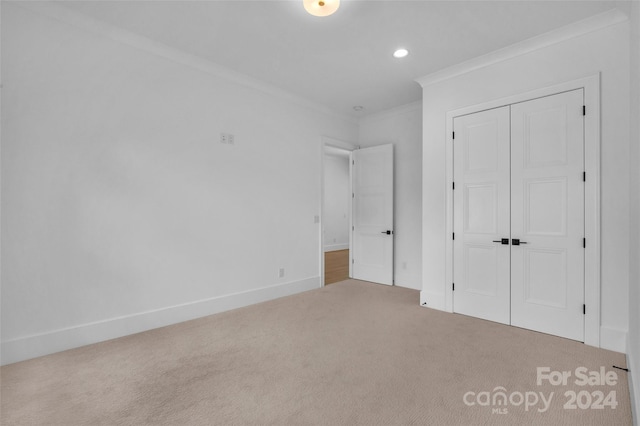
(336,266)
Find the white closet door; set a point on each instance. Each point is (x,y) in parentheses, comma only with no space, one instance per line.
(481,215)
(372,252)
(547,215)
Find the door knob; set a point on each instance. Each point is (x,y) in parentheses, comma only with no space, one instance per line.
(504,241)
(386,232)
(517,242)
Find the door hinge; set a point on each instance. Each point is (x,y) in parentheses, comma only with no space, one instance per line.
(584,243)
(353,162)
(453,236)
(353,195)
(353,228)
(454,186)
(353,261)
(453,286)
(584,110)
(584,176)
(453,135)
(584,309)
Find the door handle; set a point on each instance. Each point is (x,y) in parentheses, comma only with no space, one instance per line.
(517,242)
(387,232)
(504,241)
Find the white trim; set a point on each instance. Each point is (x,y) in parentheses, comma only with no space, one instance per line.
(64,14)
(337,143)
(347,146)
(1,257)
(613,339)
(576,29)
(336,247)
(634,384)
(351,190)
(402,109)
(28,347)
(448,220)
(433,300)
(592,284)
(591,86)
(405,280)
(634,394)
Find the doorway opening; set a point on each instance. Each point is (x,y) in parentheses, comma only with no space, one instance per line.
(357,212)
(336,213)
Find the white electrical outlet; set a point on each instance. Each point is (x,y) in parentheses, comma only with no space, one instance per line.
(281,273)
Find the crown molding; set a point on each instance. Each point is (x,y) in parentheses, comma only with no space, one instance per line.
(59,12)
(576,29)
(392,112)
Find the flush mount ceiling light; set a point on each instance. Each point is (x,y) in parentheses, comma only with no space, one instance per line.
(321,7)
(400,53)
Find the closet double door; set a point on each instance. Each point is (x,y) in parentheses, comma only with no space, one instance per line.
(519,215)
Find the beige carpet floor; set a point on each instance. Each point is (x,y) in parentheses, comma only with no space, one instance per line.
(352,353)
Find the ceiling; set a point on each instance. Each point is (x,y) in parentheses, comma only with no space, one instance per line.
(345,59)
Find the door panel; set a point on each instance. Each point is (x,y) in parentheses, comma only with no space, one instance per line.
(544,134)
(481,215)
(373,214)
(545,206)
(481,270)
(545,280)
(547,213)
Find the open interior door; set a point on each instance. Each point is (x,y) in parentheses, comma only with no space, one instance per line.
(372,233)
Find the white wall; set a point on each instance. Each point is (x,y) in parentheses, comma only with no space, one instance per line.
(337,197)
(633,346)
(121,211)
(403,128)
(605,51)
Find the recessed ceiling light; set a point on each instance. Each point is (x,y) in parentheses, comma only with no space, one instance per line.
(400,53)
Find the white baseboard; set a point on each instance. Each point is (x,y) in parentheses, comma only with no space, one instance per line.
(407,280)
(28,347)
(633,364)
(432,300)
(613,339)
(634,391)
(336,247)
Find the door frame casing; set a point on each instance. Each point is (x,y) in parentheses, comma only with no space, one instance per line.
(591,88)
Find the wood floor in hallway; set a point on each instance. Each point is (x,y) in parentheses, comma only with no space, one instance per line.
(336,266)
